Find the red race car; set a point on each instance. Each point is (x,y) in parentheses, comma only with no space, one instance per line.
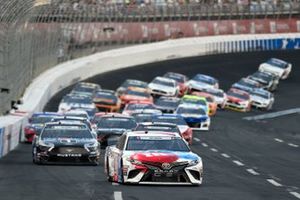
(238,100)
(181,80)
(135,95)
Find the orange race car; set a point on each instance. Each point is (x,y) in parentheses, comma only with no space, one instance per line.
(211,101)
(135,95)
(108,101)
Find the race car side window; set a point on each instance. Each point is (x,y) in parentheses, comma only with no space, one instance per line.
(120,144)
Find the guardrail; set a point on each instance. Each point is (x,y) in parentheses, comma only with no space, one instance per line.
(55,79)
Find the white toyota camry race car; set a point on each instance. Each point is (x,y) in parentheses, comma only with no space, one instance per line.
(278,67)
(151,157)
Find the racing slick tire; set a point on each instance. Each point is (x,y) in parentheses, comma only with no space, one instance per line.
(108,177)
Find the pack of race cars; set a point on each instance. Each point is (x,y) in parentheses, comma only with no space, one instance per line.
(146,128)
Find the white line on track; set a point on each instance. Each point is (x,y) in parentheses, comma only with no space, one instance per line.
(278,140)
(295,194)
(118,195)
(197,139)
(273,182)
(253,172)
(293,145)
(204,144)
(274,114)
(114,183)
(214,150)
(238,163)
(225,155)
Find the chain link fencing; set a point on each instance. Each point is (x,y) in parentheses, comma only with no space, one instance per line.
(38,34)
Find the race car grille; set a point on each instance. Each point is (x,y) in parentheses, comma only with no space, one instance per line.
(68,150)
(159,165)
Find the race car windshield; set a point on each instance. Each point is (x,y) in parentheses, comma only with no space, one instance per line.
(133,83)
(262,76)
(162,82)
(139,106)
(167,103)
(76,115)
(66,132)
(216,93)
(41,120)
(137,143)
(106,97)
(196,111)
(204,79)
(179,79)
(114,122)
(171,129)
(277,63)
(242,82)
(137,93)
(173,120)
(194,101)
(237,95)
(260,94)
(84,89)
(77,100)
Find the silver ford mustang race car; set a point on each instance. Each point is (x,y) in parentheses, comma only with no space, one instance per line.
(152,157)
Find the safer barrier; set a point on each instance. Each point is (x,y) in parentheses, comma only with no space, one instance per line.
(55,79)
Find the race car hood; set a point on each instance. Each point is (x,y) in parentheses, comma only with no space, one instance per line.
(242,87)
(162,87)
(194,118)
(161,156)
(259,99)
(235,99)
(68,106)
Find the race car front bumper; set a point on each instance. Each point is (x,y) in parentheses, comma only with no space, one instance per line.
(180,175)
(236,107)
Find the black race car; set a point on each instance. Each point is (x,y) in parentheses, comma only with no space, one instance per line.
(267,80)
(66,142)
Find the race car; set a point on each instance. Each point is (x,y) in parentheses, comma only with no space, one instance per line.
(278,67)
(66,142)
(200,82)
(195,101)
(72,102)
(107,101)
(267,80)
(167,104)
(134,95)
(161,86)
(139,107)
(180,79)
(132,84)
(219,96)
(246,85)
(85,88)
(185,131)
(36,124)
(196,117)
(158,126)
(238,100)
(210,100)
(111,126)
(152,158)
(261,98)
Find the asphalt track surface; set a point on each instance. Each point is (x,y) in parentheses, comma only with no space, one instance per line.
(246,160)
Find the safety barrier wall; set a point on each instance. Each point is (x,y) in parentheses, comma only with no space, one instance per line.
(55,79)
